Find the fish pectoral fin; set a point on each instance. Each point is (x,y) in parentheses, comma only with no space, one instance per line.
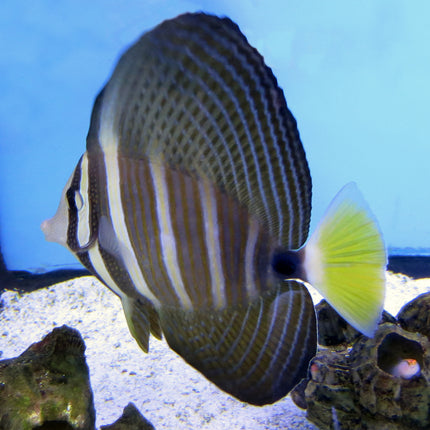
(256,352)
(108,239)
(345,260)
(142,319)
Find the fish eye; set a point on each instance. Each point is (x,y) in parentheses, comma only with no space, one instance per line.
(285,264)
(79,201)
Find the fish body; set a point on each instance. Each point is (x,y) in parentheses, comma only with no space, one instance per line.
(192,203)
(406,368)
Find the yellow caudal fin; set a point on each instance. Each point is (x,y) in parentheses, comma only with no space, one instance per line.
(345,260)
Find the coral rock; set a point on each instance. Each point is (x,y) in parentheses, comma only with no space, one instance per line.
(298,394)
(131,419)
(365,388)
(333,330)
(415,315)
(47,386)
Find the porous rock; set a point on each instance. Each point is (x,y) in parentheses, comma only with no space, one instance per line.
(333,330)
(415,315)
(47,386)
(358,389)
(131,419)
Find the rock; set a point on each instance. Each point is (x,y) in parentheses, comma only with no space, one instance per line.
(379,390)
(415,315)
(131,419)
(333,330)
(381,383)
(47,386)
(330,385)
(298,394)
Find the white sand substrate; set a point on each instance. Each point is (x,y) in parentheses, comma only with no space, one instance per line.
(167,391)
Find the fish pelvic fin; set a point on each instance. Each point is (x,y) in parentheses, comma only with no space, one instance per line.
(258,351)
(345,260)
(142,319)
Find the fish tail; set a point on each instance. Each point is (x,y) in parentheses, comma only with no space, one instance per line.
(345,260)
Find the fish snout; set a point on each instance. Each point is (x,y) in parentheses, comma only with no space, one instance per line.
(48,229)
(45,228)
(55,230)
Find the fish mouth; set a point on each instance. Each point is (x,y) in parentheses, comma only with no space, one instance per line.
(48,230)
(45,228)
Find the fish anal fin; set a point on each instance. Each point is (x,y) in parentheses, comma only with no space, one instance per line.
(142,319)
(257,352)
(345,260)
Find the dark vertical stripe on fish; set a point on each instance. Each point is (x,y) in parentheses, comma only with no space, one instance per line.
(187,223)
(140,214)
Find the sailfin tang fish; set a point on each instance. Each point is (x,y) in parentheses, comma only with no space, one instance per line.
(192,203)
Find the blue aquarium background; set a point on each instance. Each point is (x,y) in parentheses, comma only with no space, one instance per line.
(355,76)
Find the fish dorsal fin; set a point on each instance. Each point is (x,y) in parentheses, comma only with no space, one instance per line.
(257,352)
(193,91)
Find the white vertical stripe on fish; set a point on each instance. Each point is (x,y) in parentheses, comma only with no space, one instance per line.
(297,168)
(188,76)
(262,141)
(274,319)
(243,326)
(221,105)
(250,276)
(99,265)
(234,314)
(274,146)
(113,185)
(309,329)
(281,341)
(83,207)
(170,132)
(195,231)
(212,238)
(167,235)
(298,326)
(251,341)
(213,53)
(285,331)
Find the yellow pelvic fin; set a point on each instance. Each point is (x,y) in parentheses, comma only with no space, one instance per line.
(345,260)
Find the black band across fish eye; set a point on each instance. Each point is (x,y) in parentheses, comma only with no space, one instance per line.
(72,230)
(70,196)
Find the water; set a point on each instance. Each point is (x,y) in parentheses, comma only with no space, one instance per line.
(355,77)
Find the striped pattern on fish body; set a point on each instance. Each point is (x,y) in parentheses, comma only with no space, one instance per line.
(192,203)
(195,92)
(256,353)
(183,242)
(254,340)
